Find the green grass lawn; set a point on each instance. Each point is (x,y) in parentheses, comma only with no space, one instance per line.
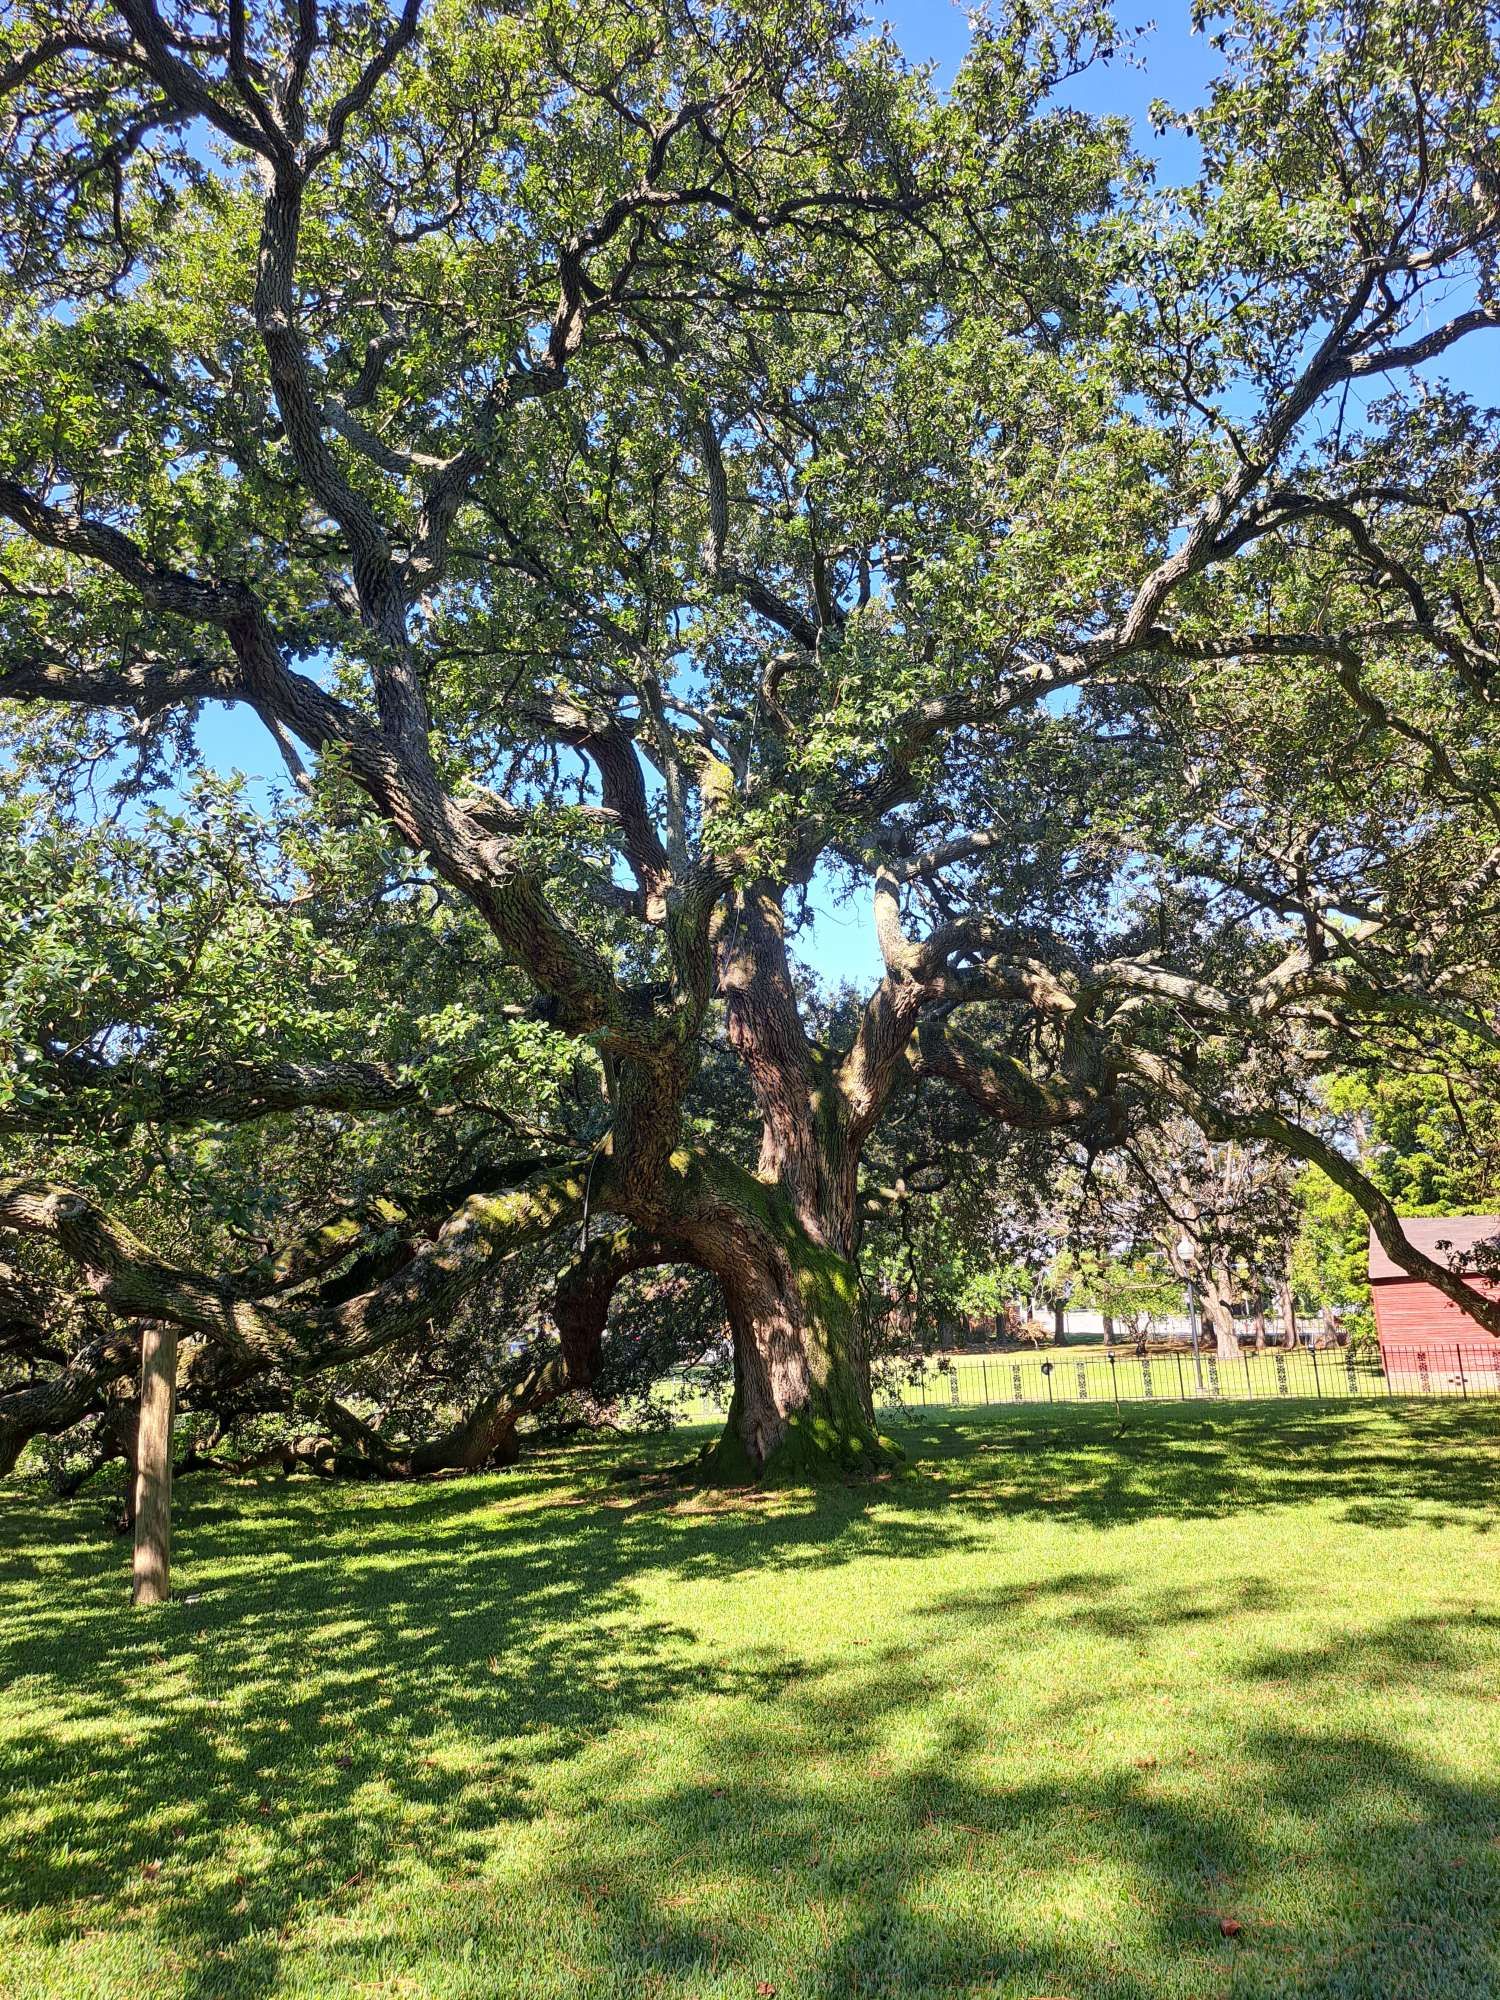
(1035,1717)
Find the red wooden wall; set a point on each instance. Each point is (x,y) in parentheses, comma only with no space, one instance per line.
(1409,1312)
(1427,1343)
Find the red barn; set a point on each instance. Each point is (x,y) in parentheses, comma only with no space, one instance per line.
(1425,1341)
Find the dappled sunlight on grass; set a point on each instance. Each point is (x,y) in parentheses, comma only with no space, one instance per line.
(1038,1715)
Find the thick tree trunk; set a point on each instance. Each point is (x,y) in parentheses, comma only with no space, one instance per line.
(1288,1307)
(802,1406)
(783,1243)
(153,1488)
(1216,1302)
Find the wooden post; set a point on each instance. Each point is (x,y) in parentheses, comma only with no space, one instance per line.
(153,1479)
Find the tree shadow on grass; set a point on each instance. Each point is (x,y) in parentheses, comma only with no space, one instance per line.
(941,1883)
(365,1675)
(1386,1463)
(1294,1857)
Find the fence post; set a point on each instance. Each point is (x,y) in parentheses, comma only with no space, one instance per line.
(1317,1378)
(1181,1384)
(1114,1383)
(1463,1380)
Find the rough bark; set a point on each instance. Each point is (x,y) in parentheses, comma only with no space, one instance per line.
(56,1402)
(806,1146)
(485,1436)
(783,1242)
(301,1338)
(801,1407)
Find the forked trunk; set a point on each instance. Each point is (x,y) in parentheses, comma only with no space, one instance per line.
(784,1242)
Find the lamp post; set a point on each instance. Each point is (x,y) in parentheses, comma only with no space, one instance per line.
(1187,1250)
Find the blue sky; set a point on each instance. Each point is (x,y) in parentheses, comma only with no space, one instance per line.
(1171,62)
(840,941)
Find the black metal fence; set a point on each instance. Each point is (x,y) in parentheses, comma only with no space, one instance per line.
(1466,1370)
(1445,1368)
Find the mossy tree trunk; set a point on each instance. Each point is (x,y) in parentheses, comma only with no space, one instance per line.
(784,1242)
(802,1407)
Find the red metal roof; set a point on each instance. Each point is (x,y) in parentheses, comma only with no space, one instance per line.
(1441,1236)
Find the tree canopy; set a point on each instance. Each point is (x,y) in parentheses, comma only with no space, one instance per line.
(647,467)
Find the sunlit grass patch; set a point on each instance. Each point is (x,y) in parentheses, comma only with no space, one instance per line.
(1044,1714)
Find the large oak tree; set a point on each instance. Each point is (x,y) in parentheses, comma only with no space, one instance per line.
(648,468)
